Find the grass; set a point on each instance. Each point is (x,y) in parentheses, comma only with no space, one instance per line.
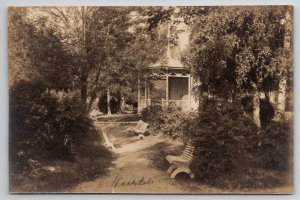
(91,162)
(159,151)
(261,178)
(119,134)
(119,118)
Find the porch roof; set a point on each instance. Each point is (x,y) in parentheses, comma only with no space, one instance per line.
(168,63)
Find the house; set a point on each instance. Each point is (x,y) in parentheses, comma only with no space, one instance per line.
(169,82)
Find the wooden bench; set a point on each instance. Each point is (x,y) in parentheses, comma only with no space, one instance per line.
(140,129)
(181,163)
(108,144)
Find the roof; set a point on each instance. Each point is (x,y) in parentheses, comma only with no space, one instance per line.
(168,62)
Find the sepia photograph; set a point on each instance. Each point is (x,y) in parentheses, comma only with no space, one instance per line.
(151,99)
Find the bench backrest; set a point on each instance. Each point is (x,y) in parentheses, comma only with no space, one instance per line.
(188,152)
(142,126)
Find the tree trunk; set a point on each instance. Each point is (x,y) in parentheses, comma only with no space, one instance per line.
(91,102)
(84,70)
(122,103)
(281,97)
(108,103)
(256,109)
(94,102)
(93,96)
(83,90)
(285,66)
(139,96)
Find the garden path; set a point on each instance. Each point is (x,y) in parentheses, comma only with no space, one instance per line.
(132,165)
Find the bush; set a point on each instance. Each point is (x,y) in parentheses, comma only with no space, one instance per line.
(169,121)
(231,151)
(91,162)
(28,115)
(51,128)
(159,151)
(153,116)
(222,136)
(274,146)
(68,125)
(44,123)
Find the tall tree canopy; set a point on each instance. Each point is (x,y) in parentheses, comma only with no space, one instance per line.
(235,50)
(91,49)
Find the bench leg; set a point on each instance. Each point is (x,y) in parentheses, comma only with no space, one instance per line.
(141,137)
(180,169)
(109,145)
(171,168)
(192,175)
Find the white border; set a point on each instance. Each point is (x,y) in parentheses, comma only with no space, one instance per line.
(4,93)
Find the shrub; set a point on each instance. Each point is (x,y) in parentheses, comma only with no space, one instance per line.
(274,146)
(231,151)
(152,115)
(44,123)
(159,151)
(222,138)
(68,124)
(28,115)
(169,121)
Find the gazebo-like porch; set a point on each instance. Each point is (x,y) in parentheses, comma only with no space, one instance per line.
(177,89)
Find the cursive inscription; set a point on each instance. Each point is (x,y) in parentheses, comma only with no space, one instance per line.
(120,182)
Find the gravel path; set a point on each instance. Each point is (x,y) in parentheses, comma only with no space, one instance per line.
(131,172)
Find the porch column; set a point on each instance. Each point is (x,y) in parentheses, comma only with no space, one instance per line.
(146,93)
(139,96)
(167,86)
(189,90)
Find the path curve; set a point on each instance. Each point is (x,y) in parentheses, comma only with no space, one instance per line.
(132,173)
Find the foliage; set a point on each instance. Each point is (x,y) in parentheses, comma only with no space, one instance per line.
(274,149)
(36,53)
(237,50)
(27,117)
(91,162)
(69,123)
(267,110)
(229,150)
(158,152)
(84,48)
(221,137)
(45,123)
(153,116)
(51,128)
(170,121)
(17,41)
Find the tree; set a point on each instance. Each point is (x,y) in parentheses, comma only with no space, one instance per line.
(91,37)
(17,51)
(36,53)
(101,43)
(233,50)
(261,48)
(129,61)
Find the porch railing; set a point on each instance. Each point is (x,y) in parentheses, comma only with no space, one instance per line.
(183,104)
